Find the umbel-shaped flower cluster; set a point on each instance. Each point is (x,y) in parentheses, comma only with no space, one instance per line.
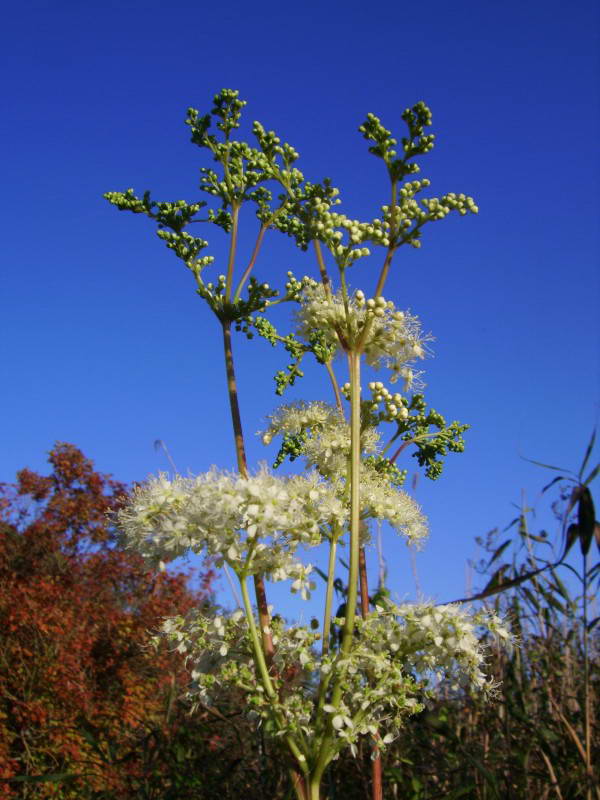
(389,338)
(320,688)
(403,649)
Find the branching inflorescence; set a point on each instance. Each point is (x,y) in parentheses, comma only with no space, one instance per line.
(318,692)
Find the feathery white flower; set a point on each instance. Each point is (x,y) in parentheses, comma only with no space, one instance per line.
(380,500)
(254,524)
(394,338)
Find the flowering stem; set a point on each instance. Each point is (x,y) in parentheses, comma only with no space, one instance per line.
(259,656)
(329,593)
(251,263)
(384,270)
(354,365)
(322,268)
(235,213)
(259,660)
(236,420)
(336,388)
(326,750)
(376,776)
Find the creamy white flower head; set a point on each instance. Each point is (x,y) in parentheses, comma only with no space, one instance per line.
(394,337)
(254,524)
(442,640)
(378,691)
(295,417)
(380,500)
(327,444)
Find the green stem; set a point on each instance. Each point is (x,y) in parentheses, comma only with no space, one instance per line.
(336,388)
(385,270)
(236,419)
(354,365)
(586,683)
(259,656)
(259,586)
(235,212)
(376,773)
(329,592)
(252,262)
(326,750)
(261,664)
(322,268)
(315,788)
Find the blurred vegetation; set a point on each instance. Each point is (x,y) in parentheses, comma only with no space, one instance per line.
(539,739)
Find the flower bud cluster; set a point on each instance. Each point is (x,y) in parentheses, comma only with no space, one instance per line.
(272,145)
(396,406)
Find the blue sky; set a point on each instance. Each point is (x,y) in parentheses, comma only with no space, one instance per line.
(105,343)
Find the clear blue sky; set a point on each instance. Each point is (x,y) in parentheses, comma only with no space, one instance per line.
(105,344)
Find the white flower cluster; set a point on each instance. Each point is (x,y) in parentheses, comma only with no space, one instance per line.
(394,656)
(437,641)
(380,500)
(327,446)
(217,650)
(392,643)
(393,338)
(254,524)
(300,416)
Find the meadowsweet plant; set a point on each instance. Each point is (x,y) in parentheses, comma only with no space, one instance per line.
(360,670)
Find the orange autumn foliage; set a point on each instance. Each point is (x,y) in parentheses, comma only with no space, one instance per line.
(79,686)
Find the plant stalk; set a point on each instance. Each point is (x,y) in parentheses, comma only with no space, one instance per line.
(326,750)
(376,774)
(236,420)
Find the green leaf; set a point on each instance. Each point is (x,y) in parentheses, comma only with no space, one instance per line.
(485,772)
(545,466)
(593,623)
(552,482)
(572,536)
(498,552)
(56,777)
(461,791)
(586,519)
(588,453)
(592,475)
